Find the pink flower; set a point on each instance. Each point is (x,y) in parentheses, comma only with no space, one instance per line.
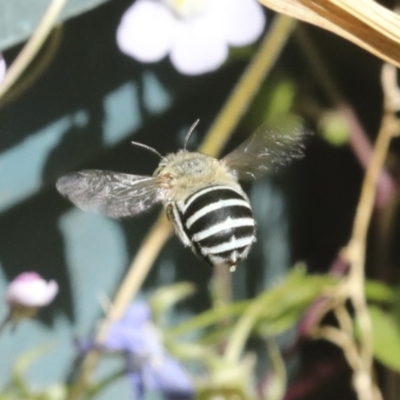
(28,292)
(195,33)
(2,68)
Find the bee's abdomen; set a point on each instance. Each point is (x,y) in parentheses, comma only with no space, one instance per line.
(220,224)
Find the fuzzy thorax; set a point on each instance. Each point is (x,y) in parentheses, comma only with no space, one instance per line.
(183,173)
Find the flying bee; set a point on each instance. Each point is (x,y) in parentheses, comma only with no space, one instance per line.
(202,196)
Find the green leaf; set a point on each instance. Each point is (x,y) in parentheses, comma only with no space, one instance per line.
(282,99)
(56,391)
(379,292)
(98,387)
(297,291)
(210,317)
(292,295)
(276,326)
(21,366)
(277,381)
(166,297)
(386,334)
(216,337)
(189,351)
(228,380)
(275,98)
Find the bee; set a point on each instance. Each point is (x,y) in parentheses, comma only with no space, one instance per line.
(201,194)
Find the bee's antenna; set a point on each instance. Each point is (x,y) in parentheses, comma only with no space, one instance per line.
(191,129)
(147,148)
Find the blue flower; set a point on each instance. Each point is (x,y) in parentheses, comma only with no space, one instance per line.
(149,366)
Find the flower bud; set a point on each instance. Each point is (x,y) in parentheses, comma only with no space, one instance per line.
(27,293)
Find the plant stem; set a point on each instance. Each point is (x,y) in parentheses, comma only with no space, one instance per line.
(33,46)
(249,85)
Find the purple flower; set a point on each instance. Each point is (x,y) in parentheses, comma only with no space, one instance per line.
(27,293)
(195,33)
(135,333)
(149,366)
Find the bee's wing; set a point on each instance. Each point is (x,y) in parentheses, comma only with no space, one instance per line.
(267,149)
(111,193)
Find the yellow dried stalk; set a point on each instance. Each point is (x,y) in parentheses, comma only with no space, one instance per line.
(363,22)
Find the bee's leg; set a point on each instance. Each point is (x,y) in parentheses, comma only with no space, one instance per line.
(175,219)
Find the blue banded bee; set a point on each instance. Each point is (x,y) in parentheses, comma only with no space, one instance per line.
(201,194)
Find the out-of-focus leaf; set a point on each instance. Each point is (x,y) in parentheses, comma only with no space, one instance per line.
(214,337)
(292,295)
(282,99)
(276,385)
(57,391)
(166,297)
(271,325)
(96,388)
(22,364)
(188,351)
(297,289)
(210,317)
(334,128)
(379,292)
(386,332)
(228,380)
(273,100)
(280,324)
(241,53)
(19,18)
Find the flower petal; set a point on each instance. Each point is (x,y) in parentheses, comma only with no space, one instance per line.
(31,290)
(243,20)
(166,375)
(141,340)
(136,314)
(135,333)
(146,31)
(199,46)
(136,379)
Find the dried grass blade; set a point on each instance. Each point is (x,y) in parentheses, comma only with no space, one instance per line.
(363,22)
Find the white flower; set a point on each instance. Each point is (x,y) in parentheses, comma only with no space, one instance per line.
(29,291)
(2,68)
(195,33)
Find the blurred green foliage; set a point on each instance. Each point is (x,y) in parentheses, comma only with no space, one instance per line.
(216,340)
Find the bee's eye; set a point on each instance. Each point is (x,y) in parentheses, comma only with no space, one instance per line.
(168,177)
(165,179)
(158,171)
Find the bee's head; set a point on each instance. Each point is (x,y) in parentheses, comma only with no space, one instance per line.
(185,167)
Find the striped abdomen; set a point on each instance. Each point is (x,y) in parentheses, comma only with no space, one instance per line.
(219,223)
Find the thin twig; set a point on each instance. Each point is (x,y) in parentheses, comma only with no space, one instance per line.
(344,319)
(32,46)
(358,139)
(249,84)
(359,352)
(342,340)
(37,68)
(214,141)
(357,245)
